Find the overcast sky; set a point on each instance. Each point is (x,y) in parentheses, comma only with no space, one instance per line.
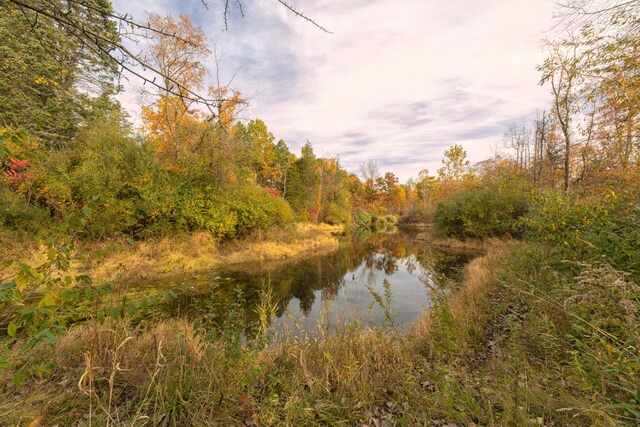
(398,81)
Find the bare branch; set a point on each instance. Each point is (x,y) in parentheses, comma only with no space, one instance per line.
(303,16)
(109,48)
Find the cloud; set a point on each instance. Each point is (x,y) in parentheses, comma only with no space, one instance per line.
(398,81)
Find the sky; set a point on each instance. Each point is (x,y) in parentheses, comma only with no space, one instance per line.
(397,81)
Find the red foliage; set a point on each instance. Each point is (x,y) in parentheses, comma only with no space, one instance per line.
(272,191)
(16,171)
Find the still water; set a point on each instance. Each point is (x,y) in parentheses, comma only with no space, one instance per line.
(404,274)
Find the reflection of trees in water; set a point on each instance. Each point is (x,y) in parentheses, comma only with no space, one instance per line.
(362,259)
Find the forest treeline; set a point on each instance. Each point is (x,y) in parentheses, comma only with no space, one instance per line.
(68,145)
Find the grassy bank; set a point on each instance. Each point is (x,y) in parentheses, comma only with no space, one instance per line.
(519,344)
(186,253)
(176,372)
(432,236)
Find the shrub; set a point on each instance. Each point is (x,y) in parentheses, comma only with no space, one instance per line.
(205,210)
(282,214)
(483,212)
(233,213)
(18,215)
(362,219)
(336,214)
(588,229)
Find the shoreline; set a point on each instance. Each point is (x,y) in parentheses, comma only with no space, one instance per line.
(426,232)
(155,258)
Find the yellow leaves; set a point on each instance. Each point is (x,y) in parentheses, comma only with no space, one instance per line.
(26,276)
(51,300)
(179,60)
(44,81)
(227,102)
(170,124)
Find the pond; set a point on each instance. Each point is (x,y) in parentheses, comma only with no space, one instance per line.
(384,277)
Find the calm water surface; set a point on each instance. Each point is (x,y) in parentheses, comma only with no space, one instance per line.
(336,287)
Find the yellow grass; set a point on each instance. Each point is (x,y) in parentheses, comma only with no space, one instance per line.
(183,254)
(467,306)
(430,236)
(154,257)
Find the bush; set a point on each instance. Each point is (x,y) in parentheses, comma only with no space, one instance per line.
(577,325)
(207,211)
(234,213)
(362,219)
(588,229)
(281,213)
(18,215)
(483,212)
(336,214)
(257,209)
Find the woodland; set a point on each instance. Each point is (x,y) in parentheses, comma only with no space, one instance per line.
(544,329)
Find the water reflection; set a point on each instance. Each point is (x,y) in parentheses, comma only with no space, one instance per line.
(338,284)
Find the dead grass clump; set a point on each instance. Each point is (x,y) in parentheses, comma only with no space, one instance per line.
(118,374)
(13,246)
(344,378)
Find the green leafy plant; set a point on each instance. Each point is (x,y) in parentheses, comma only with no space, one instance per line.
(482,212)
(37,303)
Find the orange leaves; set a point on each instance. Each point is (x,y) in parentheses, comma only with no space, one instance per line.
(166,122)
(17,172)
(178,55)
(227,102)
(178,51)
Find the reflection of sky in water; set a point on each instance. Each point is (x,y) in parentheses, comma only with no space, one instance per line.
(334,287)
(355,301)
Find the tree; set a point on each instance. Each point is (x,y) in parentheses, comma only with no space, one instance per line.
(80,20)
(260,151)
(518,136)
(304,183)
(560,70)
(455,164)
(370,170)
(388,183)
(605,34)
(333,197)
(179,58)
(41,70)
(285,160)
(426,189)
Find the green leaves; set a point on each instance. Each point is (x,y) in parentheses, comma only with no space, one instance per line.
(86,211)
(12,329)
(481,212)
(7,292)
(16,139)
